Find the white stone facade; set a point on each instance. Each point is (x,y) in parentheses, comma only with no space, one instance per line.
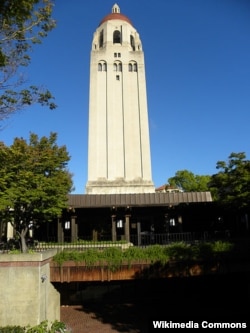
(119,158)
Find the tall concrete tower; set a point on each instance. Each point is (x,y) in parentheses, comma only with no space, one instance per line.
(119,158)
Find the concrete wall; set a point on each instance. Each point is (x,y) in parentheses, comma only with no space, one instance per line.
(26,295)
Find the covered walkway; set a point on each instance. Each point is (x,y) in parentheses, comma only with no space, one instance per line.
(125,216)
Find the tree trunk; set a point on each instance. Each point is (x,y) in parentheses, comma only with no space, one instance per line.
(24,247)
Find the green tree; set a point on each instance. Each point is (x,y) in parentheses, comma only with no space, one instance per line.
(23,23)
(231,184)
(188,182)
(34,182)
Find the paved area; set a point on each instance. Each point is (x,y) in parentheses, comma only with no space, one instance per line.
(131,307)
(111,319)
(80,321)
(108,309)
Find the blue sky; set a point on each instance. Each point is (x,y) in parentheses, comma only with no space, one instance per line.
(197,56)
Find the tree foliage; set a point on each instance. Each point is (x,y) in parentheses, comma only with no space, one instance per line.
(232,183)
(188,182)
(34,182)
(23,23)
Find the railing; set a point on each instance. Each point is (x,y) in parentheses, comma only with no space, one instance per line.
(144,239)
(81,245)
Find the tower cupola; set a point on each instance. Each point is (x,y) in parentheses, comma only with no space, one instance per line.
(115,15)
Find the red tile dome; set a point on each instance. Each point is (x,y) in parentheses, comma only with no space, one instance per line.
(115,16)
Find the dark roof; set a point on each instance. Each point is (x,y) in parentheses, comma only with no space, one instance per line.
(140,199)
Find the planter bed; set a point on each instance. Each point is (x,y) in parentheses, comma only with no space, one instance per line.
(71,271)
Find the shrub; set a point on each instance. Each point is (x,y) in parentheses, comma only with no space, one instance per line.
(134,254)
(43,327)
(114,257)
(179,251)
(12,329)
(156,253)
(222,247)
(203,251)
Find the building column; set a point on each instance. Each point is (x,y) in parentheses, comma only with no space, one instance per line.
(114,235)
(74,229)
(60,231)
(138,233)
(94,235)
(166,218)
(126,228)
(180,226)
(3,231)
(10,231)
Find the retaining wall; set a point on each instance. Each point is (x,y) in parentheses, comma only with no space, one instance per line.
(27,297)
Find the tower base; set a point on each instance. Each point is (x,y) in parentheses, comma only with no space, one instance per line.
(119,186)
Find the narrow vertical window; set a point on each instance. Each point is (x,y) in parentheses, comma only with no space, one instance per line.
(116,37)
(115,67)
(104,67)
(132,42)
(101,39)
(99,67)
(119,67)
(132,67)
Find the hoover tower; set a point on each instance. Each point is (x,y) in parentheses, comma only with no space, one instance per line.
(119,159)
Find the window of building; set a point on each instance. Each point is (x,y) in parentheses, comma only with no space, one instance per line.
(101,39)
(118,77)
(119,55)
(117,67)
(115,55)
(132,67)
(132,42)
(102,66)
(67,225)
(115,9)
(116,37)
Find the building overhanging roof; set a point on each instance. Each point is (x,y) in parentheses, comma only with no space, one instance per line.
(136,199)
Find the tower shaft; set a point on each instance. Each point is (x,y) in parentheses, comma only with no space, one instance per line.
(119,147)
